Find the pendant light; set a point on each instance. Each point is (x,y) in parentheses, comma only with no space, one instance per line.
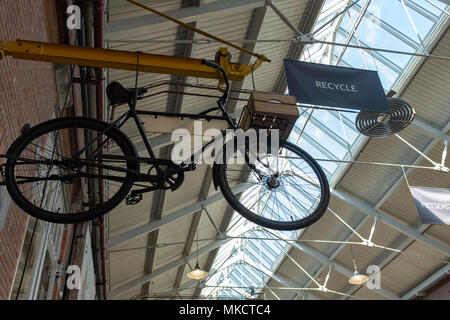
(197,273)
(357,278)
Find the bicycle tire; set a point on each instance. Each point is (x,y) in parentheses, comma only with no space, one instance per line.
(234,202)
(68,123)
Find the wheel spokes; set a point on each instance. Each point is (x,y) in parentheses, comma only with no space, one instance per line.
(289,188)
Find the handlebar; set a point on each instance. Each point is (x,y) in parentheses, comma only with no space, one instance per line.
(223,100)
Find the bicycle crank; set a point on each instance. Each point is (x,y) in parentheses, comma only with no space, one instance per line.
(165,176)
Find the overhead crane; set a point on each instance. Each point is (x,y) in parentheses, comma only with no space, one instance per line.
(135,61)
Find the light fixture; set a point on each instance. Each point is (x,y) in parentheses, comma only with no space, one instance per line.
(197,273)
(357,278)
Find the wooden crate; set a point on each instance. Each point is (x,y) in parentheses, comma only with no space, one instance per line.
(270,111)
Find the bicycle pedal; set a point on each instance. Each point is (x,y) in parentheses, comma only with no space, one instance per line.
(133,199)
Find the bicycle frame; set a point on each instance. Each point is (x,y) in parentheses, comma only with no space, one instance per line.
(133,113)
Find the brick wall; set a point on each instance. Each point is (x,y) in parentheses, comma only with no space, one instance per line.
(27,95)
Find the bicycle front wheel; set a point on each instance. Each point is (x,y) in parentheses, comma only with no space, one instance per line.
(288,191)
(58,172)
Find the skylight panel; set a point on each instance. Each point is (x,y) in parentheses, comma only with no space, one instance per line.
(384,25)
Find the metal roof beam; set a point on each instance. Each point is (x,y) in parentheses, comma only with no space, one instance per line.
(228,263)
(354,28)
(189,51)
(333,135)
(427,14)
(283,18)
(171,265)
(194,228)
(426,283)
(174,264)
(280,279)
(436,133)
(149,227)
(383,261)
(255,25)
(157,142)
(318,146)
(388,28)
(212,255)
(269,273)
(338,249)
(191,13)
(367,209)
(350,124)
(190,284)
(174,104)
(404,244)
(388,63)
(325,260)
(438,136)
(307,22)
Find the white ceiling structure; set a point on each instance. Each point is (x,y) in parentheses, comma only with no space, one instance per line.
(153,245)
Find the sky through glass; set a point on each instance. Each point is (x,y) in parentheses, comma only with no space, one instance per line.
(243,265)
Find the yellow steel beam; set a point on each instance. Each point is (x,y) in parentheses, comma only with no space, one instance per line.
(115,59)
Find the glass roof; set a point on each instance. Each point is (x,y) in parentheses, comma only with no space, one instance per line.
(243,265)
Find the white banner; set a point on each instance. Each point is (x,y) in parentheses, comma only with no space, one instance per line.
(433,204)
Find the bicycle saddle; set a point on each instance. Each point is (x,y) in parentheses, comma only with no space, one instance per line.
(118,94)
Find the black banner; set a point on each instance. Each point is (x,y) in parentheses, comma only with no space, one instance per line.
(325,85)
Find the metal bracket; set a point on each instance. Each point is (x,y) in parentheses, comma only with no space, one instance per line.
(368,243)
(222,236)
(306,38)
(323,289)
(441,168)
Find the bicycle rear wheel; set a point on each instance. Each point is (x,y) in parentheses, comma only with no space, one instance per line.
(49,166)
(285,192)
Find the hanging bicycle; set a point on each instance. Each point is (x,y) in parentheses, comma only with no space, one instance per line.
(286,190)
